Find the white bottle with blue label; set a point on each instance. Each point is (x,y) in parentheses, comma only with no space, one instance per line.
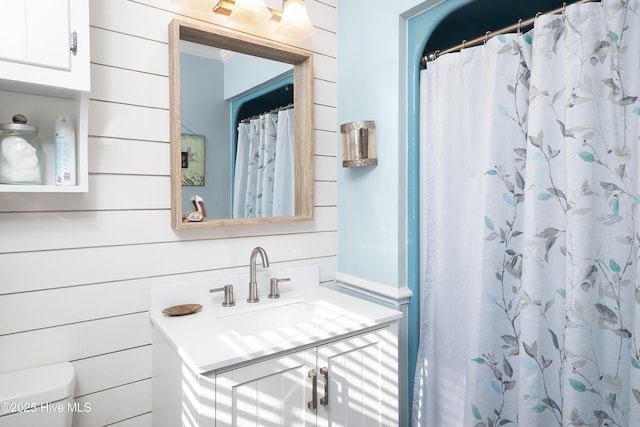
(65,136)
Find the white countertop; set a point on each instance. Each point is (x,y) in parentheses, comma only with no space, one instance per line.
(216,336)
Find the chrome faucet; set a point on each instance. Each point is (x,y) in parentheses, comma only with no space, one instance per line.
(253,285)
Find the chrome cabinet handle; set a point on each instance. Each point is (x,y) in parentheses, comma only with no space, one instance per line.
(325,400)
(73,43)
(313,403)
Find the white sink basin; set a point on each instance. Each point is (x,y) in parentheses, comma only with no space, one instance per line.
(217,337)
(253,321)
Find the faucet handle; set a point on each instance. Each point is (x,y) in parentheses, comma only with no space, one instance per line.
(273,289)
(228,295)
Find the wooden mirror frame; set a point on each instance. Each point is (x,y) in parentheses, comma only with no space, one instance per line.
(303,100)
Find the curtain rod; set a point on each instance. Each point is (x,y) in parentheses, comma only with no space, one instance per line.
(275,110)
(482,39)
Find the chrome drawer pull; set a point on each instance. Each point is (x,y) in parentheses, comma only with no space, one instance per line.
(325,400)
(313,403)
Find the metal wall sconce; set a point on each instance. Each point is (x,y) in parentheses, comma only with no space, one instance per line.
(359,144)
(294,19)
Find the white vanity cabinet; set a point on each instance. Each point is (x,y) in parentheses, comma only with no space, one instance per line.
(313,357)
(45,72)
(347,382)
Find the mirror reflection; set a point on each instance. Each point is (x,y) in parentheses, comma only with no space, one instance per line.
(241,129)
(237,116)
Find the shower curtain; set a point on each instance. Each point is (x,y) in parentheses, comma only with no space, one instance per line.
(530,226)
(264,181)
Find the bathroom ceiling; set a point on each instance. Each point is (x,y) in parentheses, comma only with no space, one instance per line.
(478,17)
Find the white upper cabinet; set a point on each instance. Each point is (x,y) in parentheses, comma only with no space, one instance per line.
(46,42)
(44,73)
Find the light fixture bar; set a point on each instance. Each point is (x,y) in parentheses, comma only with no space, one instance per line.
(224,7)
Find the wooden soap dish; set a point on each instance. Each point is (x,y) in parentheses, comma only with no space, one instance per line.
(181,310)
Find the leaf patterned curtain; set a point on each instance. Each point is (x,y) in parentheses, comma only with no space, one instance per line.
(264,167)
(530,230)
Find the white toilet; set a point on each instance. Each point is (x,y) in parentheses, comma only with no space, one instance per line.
(41,396)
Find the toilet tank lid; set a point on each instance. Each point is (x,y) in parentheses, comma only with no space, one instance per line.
(37,386)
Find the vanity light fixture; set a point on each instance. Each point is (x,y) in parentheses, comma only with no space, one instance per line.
(294,19)
(295,22)
(359,144)
(250,12)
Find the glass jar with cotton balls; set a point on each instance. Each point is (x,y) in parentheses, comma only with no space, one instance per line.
(21,155)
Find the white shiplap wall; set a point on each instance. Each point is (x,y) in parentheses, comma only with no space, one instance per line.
(75,269)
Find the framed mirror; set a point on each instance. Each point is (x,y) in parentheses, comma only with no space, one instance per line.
(241,128)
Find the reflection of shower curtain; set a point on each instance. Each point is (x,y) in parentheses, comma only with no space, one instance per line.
(264,172)
(531,241)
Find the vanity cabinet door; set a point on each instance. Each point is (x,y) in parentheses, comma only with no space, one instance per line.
(273,392)
(360,376)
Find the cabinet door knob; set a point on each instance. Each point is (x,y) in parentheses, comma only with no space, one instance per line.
(313,403)
(325,400)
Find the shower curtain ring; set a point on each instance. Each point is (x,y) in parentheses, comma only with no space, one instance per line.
(564,5)
(486,36)
(519,27)
(462,45)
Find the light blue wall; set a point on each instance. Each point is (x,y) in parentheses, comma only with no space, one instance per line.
(369,199)
(204,112)
(372,85)
(244,73)
(378,56)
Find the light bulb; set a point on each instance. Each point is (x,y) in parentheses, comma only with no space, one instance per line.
(250,12)
(295,22)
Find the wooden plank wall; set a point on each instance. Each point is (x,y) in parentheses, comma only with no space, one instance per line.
(75,269)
